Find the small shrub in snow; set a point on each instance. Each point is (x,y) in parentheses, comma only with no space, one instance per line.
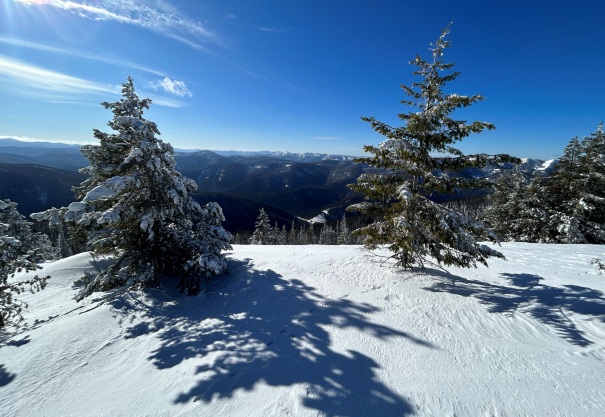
(599,265)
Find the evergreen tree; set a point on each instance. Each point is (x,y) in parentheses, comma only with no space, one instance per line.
(344,236)
(263,234)
(38,244)
(63,233)
(560,191)
(513,213)
(323,238)
(18,252)
(283,236)
(304,236)
(327,235)
(537,218)
(293,235)
(576,191)
(592,199)
(418,160)
(136,206)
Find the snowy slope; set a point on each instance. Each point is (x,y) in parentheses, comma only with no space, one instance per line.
(319,330)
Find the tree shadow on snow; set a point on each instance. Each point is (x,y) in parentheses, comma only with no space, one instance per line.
(526,294)
(5,376)
(255,327)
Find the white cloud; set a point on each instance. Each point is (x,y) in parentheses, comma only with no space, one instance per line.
(154,15)
(20,78)
(26,79)
(167,102)
(178,88)
(79,54)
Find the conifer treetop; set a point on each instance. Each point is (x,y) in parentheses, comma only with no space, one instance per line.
(430,130)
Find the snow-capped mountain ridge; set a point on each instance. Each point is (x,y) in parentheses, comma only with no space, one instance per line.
(290,156)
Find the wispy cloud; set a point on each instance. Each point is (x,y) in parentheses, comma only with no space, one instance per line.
(22,78)
(178,88)
(273,29)
(155,15)
(167,102)
(79,54)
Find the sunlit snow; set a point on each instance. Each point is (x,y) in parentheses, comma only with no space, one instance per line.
(320,330)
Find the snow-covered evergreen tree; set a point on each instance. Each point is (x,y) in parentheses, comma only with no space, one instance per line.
(514,213)
(67,239)
(18,252)
(263,233)
(536,217)
(344,236)
(37,243)
(327,235)
(304,236)
(282,236)
(293,235)
(592,200)
(576,191)
(419,160)
(137,207)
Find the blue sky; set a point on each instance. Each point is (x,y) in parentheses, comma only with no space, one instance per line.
(298,75)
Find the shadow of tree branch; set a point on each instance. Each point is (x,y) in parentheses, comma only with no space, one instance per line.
(548,305)
(256,327)
(5,376)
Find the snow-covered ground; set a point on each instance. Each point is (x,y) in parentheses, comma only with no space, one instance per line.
(321,330)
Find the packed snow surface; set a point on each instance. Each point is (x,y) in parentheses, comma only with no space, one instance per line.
(320,331)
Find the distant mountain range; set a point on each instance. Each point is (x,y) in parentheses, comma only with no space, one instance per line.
(55,155)
(39,175)
(288,156)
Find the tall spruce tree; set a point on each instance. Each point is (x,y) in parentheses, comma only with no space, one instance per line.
(136,206)
(282,236)
(418,161)
(263,233)
(344,237)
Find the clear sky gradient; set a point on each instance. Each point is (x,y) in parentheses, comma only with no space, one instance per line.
(297,75)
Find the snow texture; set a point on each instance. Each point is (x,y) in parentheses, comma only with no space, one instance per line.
(328,331)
